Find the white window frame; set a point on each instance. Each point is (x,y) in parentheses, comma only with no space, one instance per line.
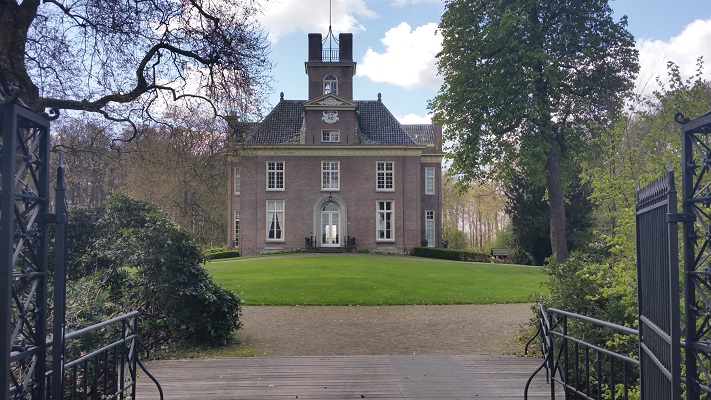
(327,175)
(384,213)
(430,227)
(237,180)
(272,167)
(327,136)
(275,215)
(430,180)
(236,231)
(384,173)
(334,80)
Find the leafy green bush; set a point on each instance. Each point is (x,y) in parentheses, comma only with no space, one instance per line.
(449,254)
(141,259)
(455,238)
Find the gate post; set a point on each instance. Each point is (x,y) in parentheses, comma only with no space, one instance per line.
(24,215)
(696,199)
(60,285)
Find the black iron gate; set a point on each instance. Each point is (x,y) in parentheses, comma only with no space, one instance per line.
(32,359)
(658,290)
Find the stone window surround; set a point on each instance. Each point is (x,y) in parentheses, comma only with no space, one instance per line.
(275,218)
(276,171)
(385,213)
(382,183)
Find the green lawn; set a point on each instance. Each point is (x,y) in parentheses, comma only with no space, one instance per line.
(362,279)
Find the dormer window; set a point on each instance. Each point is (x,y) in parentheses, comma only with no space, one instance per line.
(330,84)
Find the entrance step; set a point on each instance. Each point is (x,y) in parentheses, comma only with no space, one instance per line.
(329,250)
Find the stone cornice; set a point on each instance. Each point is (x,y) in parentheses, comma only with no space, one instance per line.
(336,150)
(432,158)
(308,64)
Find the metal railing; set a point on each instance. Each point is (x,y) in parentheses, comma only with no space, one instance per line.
(109,371)
(311,242)
(580,364)
(330,55)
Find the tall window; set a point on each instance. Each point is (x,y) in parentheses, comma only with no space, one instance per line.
(275,219)
(275,175)
(385,175)
(237,180)
(430,228)
(329,135)
(236,228)
(429,180)
(330,84)
(329,175)
(385,221)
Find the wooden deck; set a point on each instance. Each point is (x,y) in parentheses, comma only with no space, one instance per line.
(346,377)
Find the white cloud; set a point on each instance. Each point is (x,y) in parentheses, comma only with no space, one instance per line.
(683,49)
(282,17)
(414,119)
(409,59)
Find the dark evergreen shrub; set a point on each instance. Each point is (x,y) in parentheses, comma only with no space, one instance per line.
(222,254)
(449,254)
(142,260)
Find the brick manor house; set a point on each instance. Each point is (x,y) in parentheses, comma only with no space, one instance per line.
(333,172)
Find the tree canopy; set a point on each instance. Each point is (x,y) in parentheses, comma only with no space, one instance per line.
(527,84)
(118,58)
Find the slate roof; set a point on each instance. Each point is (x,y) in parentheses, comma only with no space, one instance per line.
(375,122)
(281,125)
(422,133)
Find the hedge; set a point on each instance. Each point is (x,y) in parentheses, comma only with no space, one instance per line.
(448,254)
(222,254)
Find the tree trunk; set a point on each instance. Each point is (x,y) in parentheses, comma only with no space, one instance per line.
(559,243)
(15,20)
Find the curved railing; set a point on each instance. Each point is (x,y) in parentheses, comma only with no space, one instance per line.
(110,370)
(581,365)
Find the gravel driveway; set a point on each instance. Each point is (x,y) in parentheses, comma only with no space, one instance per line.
(323,330)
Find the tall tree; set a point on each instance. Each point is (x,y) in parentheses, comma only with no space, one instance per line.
(181,170)
(477,213)
(118,58)
(91,159)
(527,83)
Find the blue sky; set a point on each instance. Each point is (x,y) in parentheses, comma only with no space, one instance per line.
(394,44)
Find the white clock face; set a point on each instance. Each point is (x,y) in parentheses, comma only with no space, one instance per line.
(330,117)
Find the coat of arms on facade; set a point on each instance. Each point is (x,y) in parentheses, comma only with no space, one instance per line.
(330,117)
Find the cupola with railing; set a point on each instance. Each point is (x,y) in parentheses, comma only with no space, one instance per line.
(330,65)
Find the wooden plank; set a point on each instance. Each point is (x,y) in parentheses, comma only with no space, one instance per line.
(346,377)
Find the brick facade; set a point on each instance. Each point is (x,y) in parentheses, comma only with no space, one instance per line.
(366,134)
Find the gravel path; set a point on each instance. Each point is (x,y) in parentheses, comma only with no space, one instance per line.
(321,331)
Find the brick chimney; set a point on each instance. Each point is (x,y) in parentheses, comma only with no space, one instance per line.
(315,47)
(345,45)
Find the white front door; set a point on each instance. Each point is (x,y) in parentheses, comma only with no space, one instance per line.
(330,225)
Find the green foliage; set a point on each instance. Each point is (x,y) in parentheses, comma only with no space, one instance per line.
(449,254)
(638,150)
(579,285)
(131,256)
(455,238)
(526,60)
(529,211)
(366,279)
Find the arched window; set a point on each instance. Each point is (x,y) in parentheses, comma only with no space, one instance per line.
(330,84)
